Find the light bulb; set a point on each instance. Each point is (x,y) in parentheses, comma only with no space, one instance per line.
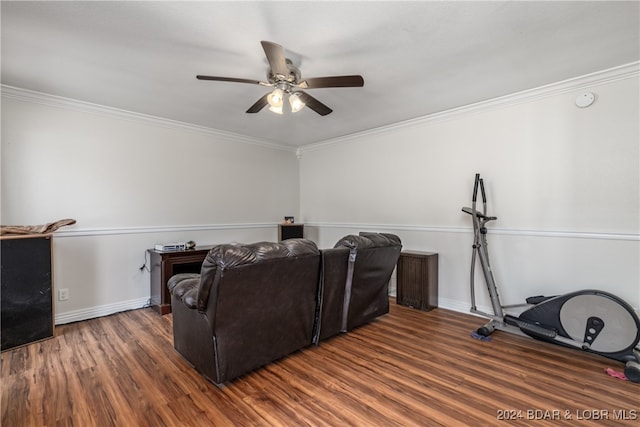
(296,102)
(275,98)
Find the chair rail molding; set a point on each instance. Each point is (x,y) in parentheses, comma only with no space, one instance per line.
(498,231)
(106,231)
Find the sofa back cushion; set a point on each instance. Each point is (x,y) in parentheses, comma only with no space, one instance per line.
(370,285)
(263,312)
(355,277)
(228,256)
(259,301)
(335,265)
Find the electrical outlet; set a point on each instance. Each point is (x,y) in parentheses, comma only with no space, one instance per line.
(63,294)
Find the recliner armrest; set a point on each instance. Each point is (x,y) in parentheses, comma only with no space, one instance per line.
(184,287)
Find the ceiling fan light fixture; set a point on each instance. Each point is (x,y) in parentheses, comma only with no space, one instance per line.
(276,98)
(296,102)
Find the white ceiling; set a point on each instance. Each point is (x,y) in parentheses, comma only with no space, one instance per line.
(417,58)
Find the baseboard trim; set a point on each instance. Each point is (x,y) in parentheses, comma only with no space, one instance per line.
(107,309)
(99,311)
(453,305)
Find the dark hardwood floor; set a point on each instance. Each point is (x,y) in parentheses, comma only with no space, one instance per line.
(408,368)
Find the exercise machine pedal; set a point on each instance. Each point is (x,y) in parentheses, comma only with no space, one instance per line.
(537,299)
(632,371)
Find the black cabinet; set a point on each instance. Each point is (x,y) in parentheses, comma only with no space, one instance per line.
(27,290)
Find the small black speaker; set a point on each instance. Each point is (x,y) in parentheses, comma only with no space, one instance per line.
(290,231)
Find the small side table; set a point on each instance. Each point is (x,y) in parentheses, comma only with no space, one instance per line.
(418,280)
(165,264)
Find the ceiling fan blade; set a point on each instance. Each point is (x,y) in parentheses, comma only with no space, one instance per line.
(333,81)
(259,105)
(276,57)
(314,104)
(231,79)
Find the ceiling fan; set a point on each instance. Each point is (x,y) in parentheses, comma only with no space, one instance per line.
(286,79)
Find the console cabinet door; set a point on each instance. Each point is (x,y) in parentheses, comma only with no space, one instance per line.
(417,277)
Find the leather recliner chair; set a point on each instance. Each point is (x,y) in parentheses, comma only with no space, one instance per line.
(251,304)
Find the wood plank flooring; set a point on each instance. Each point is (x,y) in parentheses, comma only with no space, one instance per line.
(408,368)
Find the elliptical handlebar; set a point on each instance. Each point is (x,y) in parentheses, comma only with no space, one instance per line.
(479,183)
(475,188)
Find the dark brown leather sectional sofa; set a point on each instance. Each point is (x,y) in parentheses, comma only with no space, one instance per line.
(253,304)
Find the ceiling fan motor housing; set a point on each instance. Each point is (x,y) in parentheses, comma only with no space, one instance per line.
(293,77)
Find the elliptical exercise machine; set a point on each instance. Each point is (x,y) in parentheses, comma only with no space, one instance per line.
(589,320)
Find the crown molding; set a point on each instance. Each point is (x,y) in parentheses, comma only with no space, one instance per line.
(11,92)
(626,71)
(622,72)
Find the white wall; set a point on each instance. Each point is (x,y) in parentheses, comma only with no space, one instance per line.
(563,181)
(131,181)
